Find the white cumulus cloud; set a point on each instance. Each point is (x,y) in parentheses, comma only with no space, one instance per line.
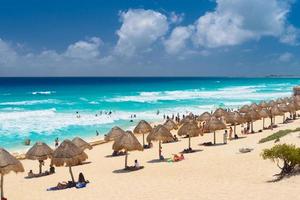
(286,57)
(236,21)
(178,38)
(140,29)
(84,49)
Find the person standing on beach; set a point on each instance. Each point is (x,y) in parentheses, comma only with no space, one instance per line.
(230,133)
(225,137)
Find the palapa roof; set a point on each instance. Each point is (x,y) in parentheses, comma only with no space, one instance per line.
(220,113)
(186,119)
(292,107)
(279,101)
(170,125)
(142,127)
(68,154)
(272,103)
(283,107)
(9,163)
(275,111)
(39,151)
(254,106)
(244,109)
(263,104)
(127,142)
(215,124)
(189,129)
(81,143)
(204,116)
(252,115)
(234,118)
(160,133)
(264,113)
(114,133)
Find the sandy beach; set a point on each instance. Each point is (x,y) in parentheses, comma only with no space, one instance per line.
(215,172)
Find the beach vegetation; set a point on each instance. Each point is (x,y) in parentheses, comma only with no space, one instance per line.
(278,134)
(286,157)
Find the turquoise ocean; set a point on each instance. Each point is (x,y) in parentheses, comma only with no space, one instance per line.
(42,109)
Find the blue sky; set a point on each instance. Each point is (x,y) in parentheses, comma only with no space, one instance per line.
(149,38)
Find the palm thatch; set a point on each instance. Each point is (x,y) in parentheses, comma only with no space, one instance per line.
(127,142)
(220,113)
(114,133)
(170,125)
(40,151)
(275,111)
(8,163)
(283,107)
(143,127)
(234,118)
(252,116)
(81,143)
(244,109)
(186,119)
(264,113)
(254,106)
(263,104)
(292,107)
(189,129)
(279,101)
(160,134)
(204,116)
(68,154)
(272,103)
(215,124)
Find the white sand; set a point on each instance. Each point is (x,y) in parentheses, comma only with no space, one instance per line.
(217,172)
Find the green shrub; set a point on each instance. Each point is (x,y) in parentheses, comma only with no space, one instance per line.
(278,135)
(289,155)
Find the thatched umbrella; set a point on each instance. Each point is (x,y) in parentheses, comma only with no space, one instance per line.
(220,113)
(275,112)
(186,119)
(264,113)
(283,108)
(254,106)
(189,129)
(263,104)
(204,116)
(272,103)
(160,134)
(279,101)
(114,133)
(215,124)
(292,109)
(170,125)
(252,116)
(143,127)
(127,142)
(244,109)
(68,154)
(234,118)
(40,151)
(81,143)
(8,163)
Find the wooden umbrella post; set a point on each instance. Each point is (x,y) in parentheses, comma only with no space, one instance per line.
(70,170)
(2,180)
